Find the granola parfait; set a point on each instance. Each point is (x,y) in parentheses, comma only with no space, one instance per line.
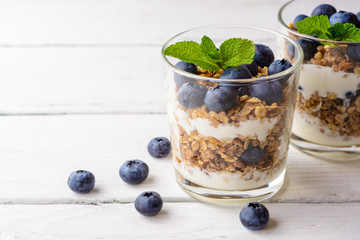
(230,98)
(327,115)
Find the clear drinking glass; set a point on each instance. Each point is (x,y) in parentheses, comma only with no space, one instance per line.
(212,151)
(327,115)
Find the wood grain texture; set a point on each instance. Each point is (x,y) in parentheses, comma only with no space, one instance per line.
(81,80)
(176,221)
(39,152)
(111,22)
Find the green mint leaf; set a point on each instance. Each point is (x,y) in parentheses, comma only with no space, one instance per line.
(208,48)
(337,32)
(189,51)
(320,26)
(316,25)
(352,33)
(236,51)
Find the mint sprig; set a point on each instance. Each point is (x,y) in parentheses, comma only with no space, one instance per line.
(321,27)
(232,52)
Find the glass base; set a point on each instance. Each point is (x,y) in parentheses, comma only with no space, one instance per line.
(235,197)
(326,152)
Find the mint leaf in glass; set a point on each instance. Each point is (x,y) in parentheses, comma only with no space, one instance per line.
(232,52)
(237,51)
(208,48)
(321,27)
(316,25)
(190,51)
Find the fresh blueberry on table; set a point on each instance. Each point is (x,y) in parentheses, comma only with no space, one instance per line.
(254,216)
(81,181)
(353,52)
(221,98)
(299,18)
(191,94)
(149,203)
(236,73)
(323,9)
(270,92)
(159,147)
(264,56)
(252,154)
(308,46)
(134,171)
(187,67)
(344,17)
(253,68)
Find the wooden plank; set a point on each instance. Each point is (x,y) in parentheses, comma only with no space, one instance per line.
(81,80)
(39,152)
(176,221)
(114,22)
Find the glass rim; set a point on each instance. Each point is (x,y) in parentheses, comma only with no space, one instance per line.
(276,76)
(283,24)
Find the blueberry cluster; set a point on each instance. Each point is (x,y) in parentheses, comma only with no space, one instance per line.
(224,96)
(309,46)
(132,172)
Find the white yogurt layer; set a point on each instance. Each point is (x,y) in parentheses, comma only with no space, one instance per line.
(309,128)
(324,80)
(231,181)
(225,132)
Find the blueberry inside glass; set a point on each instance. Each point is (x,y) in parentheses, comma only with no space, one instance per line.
(230,125)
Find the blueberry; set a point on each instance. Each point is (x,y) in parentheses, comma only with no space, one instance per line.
(134,171)
(148,203)
(358,16)
(159,147)
(353,52)
(236,73)
(252,154)
(323,9)
(187,67)
(253,68)
(263,55)
(344,17)
(299,18)
(244,90)
(291,50)
(221,98)
(270,92)
(254,216)
(300,88)
(81,181)
(349,94)
(191,94)
(308,46)
(279,66)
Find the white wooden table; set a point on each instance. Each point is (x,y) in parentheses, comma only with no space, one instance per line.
(81,87)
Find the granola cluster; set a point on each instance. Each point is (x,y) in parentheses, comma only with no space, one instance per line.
(213,154)
(340,117)
(336,58)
